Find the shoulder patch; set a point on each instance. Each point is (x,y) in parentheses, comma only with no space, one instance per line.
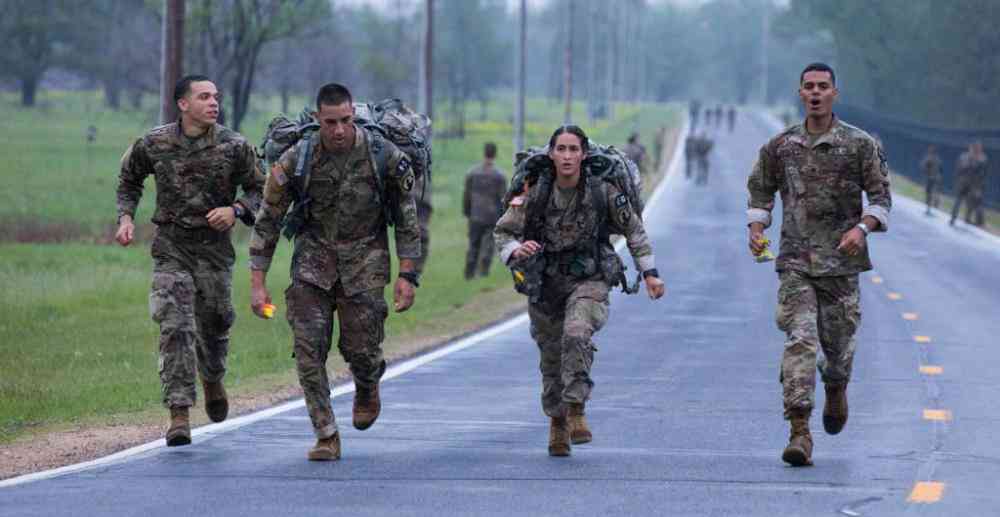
(517,201)
(278,173)
(621,200)
(402,166)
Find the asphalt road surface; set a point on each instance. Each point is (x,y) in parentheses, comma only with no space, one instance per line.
(686,411)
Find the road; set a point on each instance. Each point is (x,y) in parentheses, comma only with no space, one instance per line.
(686,411)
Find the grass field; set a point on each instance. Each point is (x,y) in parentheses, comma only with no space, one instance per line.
(76,341)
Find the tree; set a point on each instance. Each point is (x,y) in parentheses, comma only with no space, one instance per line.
(228,36)
(36,33)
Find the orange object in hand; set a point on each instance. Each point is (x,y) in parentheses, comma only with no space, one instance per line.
(268,310)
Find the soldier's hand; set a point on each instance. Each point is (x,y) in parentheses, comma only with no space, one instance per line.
(655,288)
(757,239)
(526,250)
(259,297)
(126,231)
(222,218)
(852,242)
(403,294)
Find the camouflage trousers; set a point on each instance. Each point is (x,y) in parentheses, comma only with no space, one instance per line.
(362,329)
(816,313)
(973,205)
(192,303)
(563,328)
(480,251)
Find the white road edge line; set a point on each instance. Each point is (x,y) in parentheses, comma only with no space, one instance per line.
(211,430)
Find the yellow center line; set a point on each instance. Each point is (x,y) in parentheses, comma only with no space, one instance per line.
(895,296)
(876,280)
(911,316)
(937,415)
(922,339)
(926,492)
(931,370)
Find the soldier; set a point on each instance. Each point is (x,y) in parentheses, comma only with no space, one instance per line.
(482,201)
(970,182)
(821,168)
(690,153)
(636,152)
(561,219)
(198,165)
(703,147)
(732,118)
(694,108)
(661,134)
(931,167)
(341,259)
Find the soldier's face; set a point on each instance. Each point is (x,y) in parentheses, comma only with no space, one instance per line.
(818,93)
(567,154)
(201,104)
(336,125)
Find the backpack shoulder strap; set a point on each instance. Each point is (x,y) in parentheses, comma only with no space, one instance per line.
(300,180)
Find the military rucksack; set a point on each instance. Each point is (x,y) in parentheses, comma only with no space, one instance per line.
(389,119)
(603,164)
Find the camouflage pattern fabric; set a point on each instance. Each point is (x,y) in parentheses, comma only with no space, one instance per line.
(480,252)
(821,187)
(971,173)
(191,294)
(422,194)
(562,328)
(482,198)
(575,301)
(345,237)
(816,313)
(362,321)
(931,167)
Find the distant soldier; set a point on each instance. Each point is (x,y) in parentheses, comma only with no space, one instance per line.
(931,168)
(694,108)
(690,153)
(703,148)
(970,183)
(566,218)
(732,118)
(718,115)
(198,164)
(821,168)
(341,260)
(660,135)
(482,201)
(636,152)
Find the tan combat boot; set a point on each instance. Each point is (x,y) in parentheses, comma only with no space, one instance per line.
(578,430)
(179,432)
(559,437)
(326,449)
(367,406)
(216,402)
(835,409)
(800,443)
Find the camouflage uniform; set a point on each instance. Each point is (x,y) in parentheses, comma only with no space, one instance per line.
(575,303)
(821,183)
(970,185)
(341,260)
(192,263)
(482,201)
(703,147)
(637,153)
(931,167)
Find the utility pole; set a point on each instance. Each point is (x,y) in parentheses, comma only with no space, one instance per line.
(172,57)
(428,77)
(568,70)
(521,58)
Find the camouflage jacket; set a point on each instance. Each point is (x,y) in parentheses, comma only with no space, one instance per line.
(570,223)
(971,171)
(192,176)
(345,236)
(931,167)
(821,194)
(482,199)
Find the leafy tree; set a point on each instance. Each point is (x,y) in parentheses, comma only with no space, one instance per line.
(36,33)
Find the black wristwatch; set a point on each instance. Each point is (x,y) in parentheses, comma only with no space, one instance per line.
(652,272)
(238,210)
(411,276)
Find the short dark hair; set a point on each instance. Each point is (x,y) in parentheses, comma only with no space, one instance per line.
(490,150)
(575,130)
(333,94)
(818,67)
(183,86)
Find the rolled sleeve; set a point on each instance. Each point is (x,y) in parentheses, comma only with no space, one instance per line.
(880,213)
(759,215)
(645,263)
(507,250)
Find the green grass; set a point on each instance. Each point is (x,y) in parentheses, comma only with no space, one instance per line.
(78,345)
